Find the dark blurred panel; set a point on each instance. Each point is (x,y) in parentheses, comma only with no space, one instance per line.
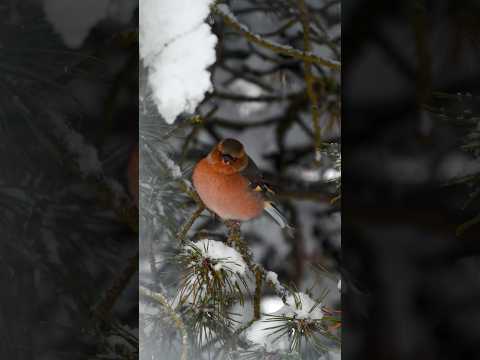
(68,126)
(411,171)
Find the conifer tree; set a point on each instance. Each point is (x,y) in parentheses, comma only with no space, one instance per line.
(69,226)
(269,75)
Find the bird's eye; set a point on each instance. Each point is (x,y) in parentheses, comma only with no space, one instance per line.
(227,159)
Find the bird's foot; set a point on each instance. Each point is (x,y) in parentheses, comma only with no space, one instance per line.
(235,224)
(233,231)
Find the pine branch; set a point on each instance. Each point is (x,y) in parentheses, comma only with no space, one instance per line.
(260,98)
(182,234)
(88,167)
(176,319)
(310,80)
(234,239)
(277,48)
(258,293)
(468,224)
(104,308)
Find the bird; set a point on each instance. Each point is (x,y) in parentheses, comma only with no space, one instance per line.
(230,184)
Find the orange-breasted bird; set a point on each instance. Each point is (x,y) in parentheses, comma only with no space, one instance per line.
(230,184)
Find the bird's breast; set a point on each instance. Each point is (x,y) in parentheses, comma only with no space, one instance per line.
(229,196)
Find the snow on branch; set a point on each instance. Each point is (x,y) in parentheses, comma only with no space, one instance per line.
(303,307)
(89,167)
(215,271)
(177,47)
(73,20)
(176,319)
(223,256)
(308,56)
(285,328)
(85,155)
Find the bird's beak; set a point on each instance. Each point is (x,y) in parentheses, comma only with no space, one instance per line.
(227,159)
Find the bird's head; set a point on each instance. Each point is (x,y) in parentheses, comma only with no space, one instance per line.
(229,156)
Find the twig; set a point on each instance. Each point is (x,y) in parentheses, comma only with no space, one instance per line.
(468,224)
(158,297)
(243,74)
(241,125)
(234,239)
(152,261)
(277,48)
(196,121)
(123,208)
(309,79)
(281,29)
(297,244)
(182,234)
(184,187)
(103,309)
(258,293)
(260,98)
(279,289)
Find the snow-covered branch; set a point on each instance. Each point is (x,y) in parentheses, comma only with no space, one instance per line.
(177,47)
(231,21)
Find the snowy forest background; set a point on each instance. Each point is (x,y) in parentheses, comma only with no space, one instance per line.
(410,179)
(69,87)
(68,123)
(268,74)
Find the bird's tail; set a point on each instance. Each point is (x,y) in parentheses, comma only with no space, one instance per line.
(273,211)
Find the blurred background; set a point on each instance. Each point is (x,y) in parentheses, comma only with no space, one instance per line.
(68,122)
(260,98)
(410,180)
(68,128)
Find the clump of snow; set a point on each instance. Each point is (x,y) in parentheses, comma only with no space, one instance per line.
(270,304)
(456,165)
(261,333)
(226,10)
(299,305)
(86,155)
(244,87)
(224,257)
(74,19)
(335,31)
(331,174)
(302,306)
(331,355)
(177,47)
(272,277)
(309,174)
(173,168)
(220,257)
(118,191)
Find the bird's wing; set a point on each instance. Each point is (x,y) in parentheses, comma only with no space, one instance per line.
(255,177)
(257,183)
